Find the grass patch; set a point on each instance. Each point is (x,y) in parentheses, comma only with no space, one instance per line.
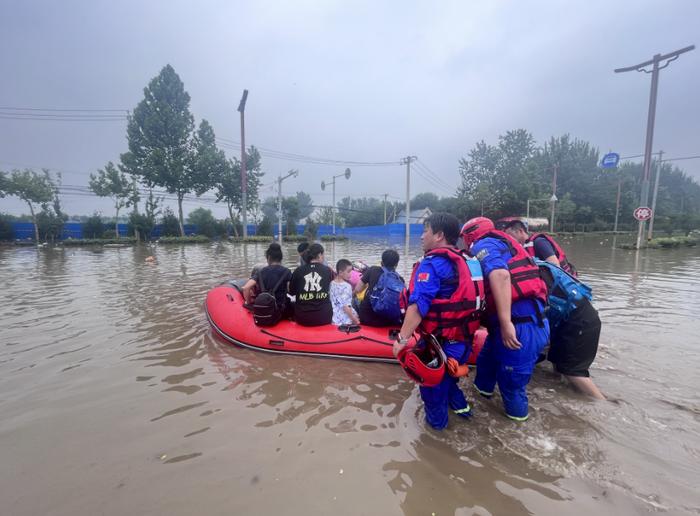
(192,239)
(666,243)
(74,242)
(251,239)
(334,238)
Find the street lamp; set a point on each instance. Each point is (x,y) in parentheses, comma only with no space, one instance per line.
(332,182)
(291,173)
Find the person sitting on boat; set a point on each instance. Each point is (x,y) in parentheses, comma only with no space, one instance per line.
(380,304)
(265,279)
(575,325)
(341,295)
(301,249)
(445,299)
(538,245)
(310,284)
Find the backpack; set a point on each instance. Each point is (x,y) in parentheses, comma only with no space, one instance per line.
(266,311)
(385,295)
(564,292)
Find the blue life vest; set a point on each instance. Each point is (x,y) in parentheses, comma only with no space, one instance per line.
(564,292)
(385,295)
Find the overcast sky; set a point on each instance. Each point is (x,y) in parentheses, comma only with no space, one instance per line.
(361,81)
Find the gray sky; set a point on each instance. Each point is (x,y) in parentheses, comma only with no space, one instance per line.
(360,81)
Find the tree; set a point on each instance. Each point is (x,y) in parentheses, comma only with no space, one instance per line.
(425,200)
(206,223)
(93,227)
(170,225)
(113,183)
(228,185)
(306,205)
(498,177)
(33,189)
(4,184)
(162,146)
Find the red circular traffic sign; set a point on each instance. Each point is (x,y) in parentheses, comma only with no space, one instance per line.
(642,213)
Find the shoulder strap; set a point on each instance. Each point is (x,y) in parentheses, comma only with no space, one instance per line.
(262,281)
(279,282)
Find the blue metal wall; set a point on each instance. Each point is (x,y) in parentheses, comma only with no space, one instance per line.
(25,230)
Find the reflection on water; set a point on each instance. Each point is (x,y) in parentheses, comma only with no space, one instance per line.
(115,397)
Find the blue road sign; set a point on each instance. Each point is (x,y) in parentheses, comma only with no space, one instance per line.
(610,160)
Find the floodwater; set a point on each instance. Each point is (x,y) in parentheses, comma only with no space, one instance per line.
(115,398)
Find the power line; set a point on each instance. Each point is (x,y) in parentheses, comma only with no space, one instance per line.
(289,156)
(80,110)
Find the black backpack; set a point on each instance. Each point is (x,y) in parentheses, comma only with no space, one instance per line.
(266,311)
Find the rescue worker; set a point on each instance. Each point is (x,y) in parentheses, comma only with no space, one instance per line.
(515,300)
(574,322)
(538,245)
(445,298)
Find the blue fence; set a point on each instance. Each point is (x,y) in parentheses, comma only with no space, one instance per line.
(25,230)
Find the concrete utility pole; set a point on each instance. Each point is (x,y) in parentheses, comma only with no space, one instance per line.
(656,67)
(244,175)
(345,174)
(291,173)
(407,161)
(617,202)
(659,163)
(553,199)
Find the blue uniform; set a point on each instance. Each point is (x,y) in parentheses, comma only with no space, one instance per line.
(436,277)
(496,364)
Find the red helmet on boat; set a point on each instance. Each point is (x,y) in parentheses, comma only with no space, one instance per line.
(424,363)
(474,229)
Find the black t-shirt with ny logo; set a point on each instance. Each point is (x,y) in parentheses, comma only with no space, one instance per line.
(311,285)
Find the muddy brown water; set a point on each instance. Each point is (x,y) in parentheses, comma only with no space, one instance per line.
(115,398)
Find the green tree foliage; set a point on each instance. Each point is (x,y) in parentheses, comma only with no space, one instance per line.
(497,176)
(228,184)
(6,230)
(163,149)
(170,225)
(265,227)
(93,227)
(32,188)
(306,205)
(111,182)
(502,178)
(206,223)
(425,200)
(4,184)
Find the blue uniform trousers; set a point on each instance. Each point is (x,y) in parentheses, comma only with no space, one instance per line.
(447,393)
(511,369)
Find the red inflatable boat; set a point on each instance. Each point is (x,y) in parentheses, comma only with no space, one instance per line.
(234,322)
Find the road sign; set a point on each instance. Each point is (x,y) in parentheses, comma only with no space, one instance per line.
(610,160)
(642,213)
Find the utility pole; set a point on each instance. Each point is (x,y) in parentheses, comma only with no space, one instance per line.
(291,173)
(385,196)
(617,202)
(654,61)
(659,163)
(244,175)
(554,199)
(407,161)
(346,175)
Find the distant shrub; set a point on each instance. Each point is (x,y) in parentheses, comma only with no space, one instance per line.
(6,231)
(192,239)
(93,227)
(170,225)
